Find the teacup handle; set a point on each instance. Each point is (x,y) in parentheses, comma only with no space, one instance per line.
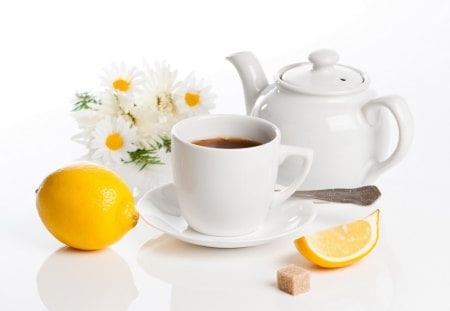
(398,108)
(306,156)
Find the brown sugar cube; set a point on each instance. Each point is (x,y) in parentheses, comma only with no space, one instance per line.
(293,280)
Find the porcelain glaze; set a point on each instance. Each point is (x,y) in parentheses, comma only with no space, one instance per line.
(159,208)
(329,108)
(229,192)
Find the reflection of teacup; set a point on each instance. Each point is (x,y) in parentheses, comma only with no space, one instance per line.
(228,191)
(75,280)
(245,279)
(205,278)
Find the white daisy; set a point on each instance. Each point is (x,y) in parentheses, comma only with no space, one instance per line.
(86,120)
(195,97)
(109,105)
(147,125)
(115,105)
(122,80)
(161,85)
(113,139)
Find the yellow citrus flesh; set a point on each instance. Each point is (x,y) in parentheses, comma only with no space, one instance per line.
(341,245)
(86,206)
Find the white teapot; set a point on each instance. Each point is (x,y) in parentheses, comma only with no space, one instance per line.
(328,107)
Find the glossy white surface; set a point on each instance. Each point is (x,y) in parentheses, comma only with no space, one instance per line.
(160,209)
(47,53)
(328,107)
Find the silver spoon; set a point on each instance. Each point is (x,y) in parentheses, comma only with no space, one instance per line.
(362,196)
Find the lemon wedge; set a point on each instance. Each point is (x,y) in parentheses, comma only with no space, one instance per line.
(342,245)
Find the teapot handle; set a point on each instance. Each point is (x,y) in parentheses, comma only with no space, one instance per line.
(398,108)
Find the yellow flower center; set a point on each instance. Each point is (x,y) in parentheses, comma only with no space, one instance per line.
(192,99)
(114,141)
(121,85)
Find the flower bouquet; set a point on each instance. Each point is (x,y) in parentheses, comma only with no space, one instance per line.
(128,122)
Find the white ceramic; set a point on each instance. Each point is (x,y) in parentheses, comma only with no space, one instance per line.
(228,192)
(328,107)
(159,208)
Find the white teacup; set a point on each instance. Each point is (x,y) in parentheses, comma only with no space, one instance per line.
(228,192)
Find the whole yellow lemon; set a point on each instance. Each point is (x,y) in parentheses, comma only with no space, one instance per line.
(86,206)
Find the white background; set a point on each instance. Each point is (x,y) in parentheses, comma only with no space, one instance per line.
(50,49)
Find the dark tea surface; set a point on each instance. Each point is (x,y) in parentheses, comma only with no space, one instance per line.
(226,143)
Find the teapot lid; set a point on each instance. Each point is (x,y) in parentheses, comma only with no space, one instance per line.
(323,76)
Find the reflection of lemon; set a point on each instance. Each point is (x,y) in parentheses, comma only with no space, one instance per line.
(86,206)
(342,245)
(74,280)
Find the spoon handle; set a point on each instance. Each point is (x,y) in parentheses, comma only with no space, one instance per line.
(362,196)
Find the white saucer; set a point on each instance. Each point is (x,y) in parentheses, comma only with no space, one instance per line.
(159,209)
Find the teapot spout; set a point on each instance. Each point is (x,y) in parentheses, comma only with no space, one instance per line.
(252,76)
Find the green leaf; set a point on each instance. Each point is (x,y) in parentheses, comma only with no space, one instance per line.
(144,157)
(166,143)
(83,100)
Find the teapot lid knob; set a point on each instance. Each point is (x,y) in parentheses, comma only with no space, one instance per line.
(323,59)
